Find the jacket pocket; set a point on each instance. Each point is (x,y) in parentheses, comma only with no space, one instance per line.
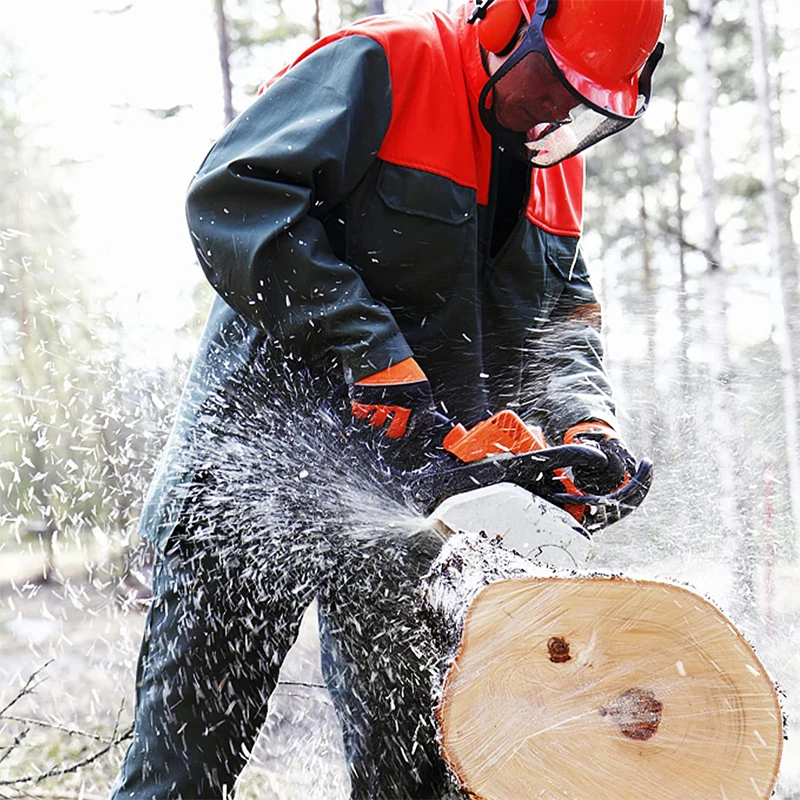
(423,194)
(415,231)
(566,263)
(563,257)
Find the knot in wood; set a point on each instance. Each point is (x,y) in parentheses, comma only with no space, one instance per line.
(558,650)
(637,712)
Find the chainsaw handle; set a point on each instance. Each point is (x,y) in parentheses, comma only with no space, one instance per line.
(618,504)
(561,457)
(428,487)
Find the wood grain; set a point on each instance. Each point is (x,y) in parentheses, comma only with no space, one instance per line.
(597,687)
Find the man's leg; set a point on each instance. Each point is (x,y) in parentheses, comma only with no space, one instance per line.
(376,658)
(209,661)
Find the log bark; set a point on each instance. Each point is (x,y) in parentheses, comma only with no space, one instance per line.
(592,687)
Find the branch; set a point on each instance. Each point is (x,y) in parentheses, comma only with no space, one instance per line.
(676,235)
(9,749)
(27,689)
(58,772)
(49,796)
(56,727)
(113,11)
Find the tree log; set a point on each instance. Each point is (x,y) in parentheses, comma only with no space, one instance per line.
(593,687)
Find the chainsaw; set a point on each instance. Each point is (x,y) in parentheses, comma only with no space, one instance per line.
(558,680)
(502,469)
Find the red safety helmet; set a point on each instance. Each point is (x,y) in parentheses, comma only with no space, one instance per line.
(602,51)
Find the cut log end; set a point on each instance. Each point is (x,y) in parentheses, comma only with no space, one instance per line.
(595,688)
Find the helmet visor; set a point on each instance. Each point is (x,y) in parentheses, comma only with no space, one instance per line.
(531,109)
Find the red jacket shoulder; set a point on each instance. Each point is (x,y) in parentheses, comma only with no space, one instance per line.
(436,75)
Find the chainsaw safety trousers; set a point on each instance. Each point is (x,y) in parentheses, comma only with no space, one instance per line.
(212,652)
(282,509)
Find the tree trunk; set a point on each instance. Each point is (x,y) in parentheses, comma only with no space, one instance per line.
(592,687)
(702,13)
(223,47)
(781,248)
(720,371)
(679,155)
(317,25)
(652,432)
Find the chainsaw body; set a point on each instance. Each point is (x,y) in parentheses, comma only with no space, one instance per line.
(522,522)
(504,450)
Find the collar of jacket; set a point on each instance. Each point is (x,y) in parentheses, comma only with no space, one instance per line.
(437,75)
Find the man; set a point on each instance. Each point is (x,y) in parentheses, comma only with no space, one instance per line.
(392,229)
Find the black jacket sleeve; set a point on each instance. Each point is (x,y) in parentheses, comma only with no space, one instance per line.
(255,207)
(564,367)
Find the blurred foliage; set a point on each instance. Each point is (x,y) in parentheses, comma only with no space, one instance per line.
(254,25)
(76,419)
(256,30)
(82,425)
(352,10)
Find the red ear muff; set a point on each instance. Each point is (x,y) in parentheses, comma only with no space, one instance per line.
(497,28)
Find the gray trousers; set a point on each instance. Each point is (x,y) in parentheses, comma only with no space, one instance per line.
(214,642)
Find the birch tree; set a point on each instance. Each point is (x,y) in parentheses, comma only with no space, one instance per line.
(675,219)
(720,369)
(782,254)
(224,49)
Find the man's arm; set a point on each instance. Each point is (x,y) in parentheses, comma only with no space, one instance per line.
(254,207)
(566,382)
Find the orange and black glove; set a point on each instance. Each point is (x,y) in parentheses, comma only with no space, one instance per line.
(620,466)
(396,401)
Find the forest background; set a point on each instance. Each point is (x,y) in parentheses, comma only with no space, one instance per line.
(107,108)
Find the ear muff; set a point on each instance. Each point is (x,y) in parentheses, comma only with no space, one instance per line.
(497,28)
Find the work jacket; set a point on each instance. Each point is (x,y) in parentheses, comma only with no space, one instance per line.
(347,216)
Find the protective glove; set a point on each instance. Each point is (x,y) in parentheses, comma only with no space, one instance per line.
(396,401)
(621,463)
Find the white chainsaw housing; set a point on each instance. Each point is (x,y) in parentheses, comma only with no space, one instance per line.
(525,523)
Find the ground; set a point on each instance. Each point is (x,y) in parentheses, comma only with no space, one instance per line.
(88,636)
(87,633)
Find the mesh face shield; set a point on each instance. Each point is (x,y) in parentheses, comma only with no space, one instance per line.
(536,115)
